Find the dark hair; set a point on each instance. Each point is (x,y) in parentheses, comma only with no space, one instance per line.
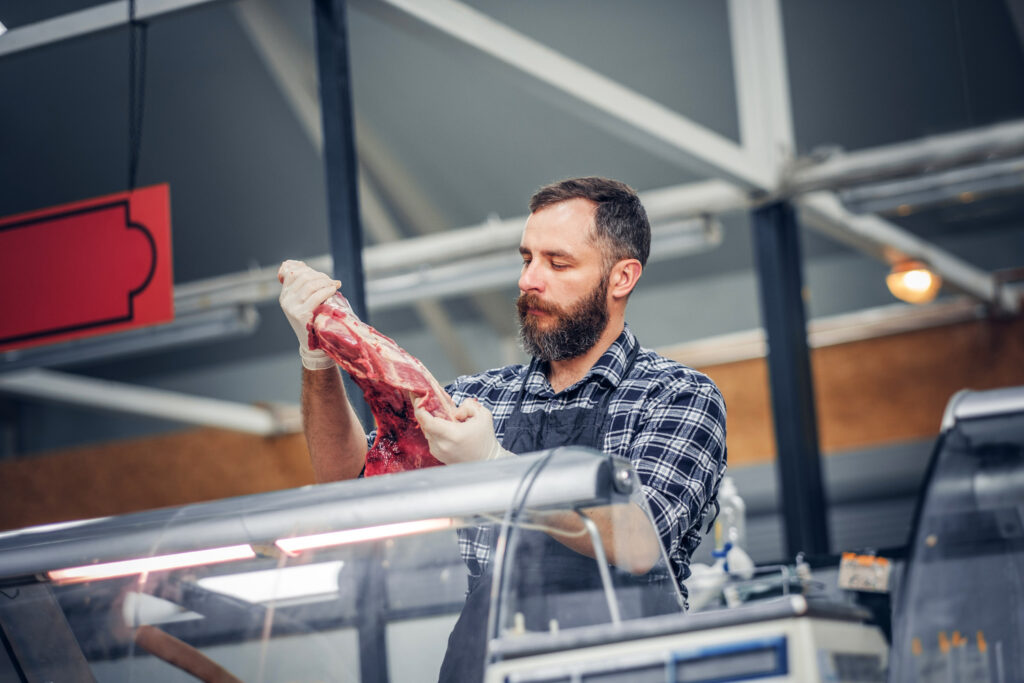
(620,222)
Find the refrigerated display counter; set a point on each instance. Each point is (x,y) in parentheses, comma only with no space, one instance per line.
(350,581)
(959,615)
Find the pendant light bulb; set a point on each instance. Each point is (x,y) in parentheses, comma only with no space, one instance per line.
(913,282)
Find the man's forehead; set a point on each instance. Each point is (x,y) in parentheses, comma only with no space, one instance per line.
(568,218)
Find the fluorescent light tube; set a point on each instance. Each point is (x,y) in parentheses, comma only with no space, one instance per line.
(109,570)
(297,544)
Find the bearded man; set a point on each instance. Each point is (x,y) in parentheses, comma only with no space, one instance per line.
(589,383)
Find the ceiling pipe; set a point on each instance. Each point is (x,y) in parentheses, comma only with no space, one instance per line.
(925,155)
(908,195)
(214,324)
(58,387)
(678,216)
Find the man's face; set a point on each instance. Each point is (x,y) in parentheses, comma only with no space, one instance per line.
(563,288)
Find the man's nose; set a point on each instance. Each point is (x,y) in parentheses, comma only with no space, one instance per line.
(530,279)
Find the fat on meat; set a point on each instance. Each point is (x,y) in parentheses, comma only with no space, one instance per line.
(391,380)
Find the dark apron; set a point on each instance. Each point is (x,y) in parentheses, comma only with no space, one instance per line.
(554,573)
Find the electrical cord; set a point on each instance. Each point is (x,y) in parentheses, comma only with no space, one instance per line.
(500,588)
(137,40)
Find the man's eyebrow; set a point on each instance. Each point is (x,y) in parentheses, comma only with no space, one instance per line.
(549,253)
(560,254)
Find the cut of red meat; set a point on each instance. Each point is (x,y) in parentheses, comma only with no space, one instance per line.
(391,379)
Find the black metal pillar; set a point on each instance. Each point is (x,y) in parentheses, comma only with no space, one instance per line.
(346,239)
(340,169)
(777,247)
(341,176)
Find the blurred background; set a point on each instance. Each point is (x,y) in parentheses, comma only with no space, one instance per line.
(458,118)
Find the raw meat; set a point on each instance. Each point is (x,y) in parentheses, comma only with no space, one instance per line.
(391,379)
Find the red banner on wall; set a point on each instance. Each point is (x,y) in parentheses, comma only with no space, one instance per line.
(87,268)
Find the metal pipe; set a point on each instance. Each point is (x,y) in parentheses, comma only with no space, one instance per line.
(890,243)
(502,270)
(959,184)
(479,268)
(665,205)
(204,325)
(59,387)
(927,155)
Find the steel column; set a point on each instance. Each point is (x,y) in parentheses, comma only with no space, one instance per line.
(341,174)
(346,240)
(804,508)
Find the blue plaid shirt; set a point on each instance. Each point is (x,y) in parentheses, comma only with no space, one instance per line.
(666,418)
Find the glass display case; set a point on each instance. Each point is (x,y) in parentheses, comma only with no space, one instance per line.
(959,615)
(351,581)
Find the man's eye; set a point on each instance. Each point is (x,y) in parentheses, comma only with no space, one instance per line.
(559,266)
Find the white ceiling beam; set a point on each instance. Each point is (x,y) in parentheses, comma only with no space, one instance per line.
(83,22)
(618,109)
(890,243)
(762,81)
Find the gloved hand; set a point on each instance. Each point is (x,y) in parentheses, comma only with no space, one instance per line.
(303,290)
(468,439)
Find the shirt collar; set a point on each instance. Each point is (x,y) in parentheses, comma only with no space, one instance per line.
(611,366)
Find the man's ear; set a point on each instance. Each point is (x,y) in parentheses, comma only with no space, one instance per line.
(624,277)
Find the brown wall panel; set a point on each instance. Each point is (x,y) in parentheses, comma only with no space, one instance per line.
(876,391)
(141,474)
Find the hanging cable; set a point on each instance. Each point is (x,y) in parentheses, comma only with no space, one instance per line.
(136,89)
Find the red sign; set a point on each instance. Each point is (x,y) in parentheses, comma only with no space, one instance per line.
(87,268)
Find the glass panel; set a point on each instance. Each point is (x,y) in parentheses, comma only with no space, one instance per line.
(572,566)
(273,617)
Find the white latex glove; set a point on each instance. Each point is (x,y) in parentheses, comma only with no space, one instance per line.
(469,438)
(303,290)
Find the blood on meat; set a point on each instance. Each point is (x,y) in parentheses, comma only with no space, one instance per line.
(390,378)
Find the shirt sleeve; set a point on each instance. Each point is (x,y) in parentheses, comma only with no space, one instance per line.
(679,455)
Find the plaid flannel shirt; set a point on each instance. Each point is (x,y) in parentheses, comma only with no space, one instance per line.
(666,418)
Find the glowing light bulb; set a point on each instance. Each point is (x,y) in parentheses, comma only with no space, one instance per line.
(917,280)
(914,282)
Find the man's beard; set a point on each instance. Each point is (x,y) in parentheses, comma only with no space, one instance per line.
(575,331)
